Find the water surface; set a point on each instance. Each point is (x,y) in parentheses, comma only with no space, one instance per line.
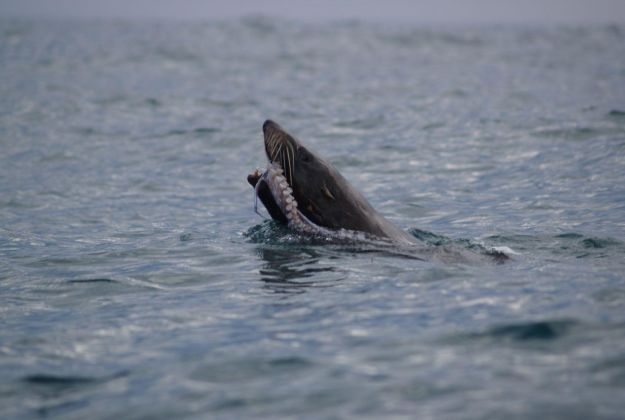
(136,280)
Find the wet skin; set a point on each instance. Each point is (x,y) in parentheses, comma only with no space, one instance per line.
(324,196)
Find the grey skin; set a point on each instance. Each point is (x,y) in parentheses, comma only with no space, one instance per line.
(323,195)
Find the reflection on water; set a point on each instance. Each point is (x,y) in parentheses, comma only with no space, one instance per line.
(286,269)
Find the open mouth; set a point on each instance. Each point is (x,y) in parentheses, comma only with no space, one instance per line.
(272,188)
(274,185)
(262,190)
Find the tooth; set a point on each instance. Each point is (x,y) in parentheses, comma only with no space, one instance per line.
(289,200)
(284,185)
(289,207)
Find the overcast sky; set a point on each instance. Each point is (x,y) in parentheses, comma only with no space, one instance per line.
(422,11)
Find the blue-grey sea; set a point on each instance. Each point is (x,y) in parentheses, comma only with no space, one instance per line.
(137,282)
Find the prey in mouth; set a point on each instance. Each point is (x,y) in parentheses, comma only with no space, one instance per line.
(302,190)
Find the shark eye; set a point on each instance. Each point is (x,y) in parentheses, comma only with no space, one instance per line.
(304,156)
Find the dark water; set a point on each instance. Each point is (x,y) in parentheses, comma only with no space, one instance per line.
(136,281)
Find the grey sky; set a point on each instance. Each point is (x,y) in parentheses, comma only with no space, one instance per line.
(424,11)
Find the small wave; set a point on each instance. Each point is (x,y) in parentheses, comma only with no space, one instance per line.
(429,237)
(152,102)
(290,362)
(618,113)
(268,232)
(416,37)
(199,132)
(599,243)
(582,246)
(541,330)
(186,237)
(570,235)
(497,253)
(506,250)
(261,24)
(94,280)
(45,379)
(570,133)
(239,369)
(573,244)
(533,331)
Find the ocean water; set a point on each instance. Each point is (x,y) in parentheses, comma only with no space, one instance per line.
(136,281)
